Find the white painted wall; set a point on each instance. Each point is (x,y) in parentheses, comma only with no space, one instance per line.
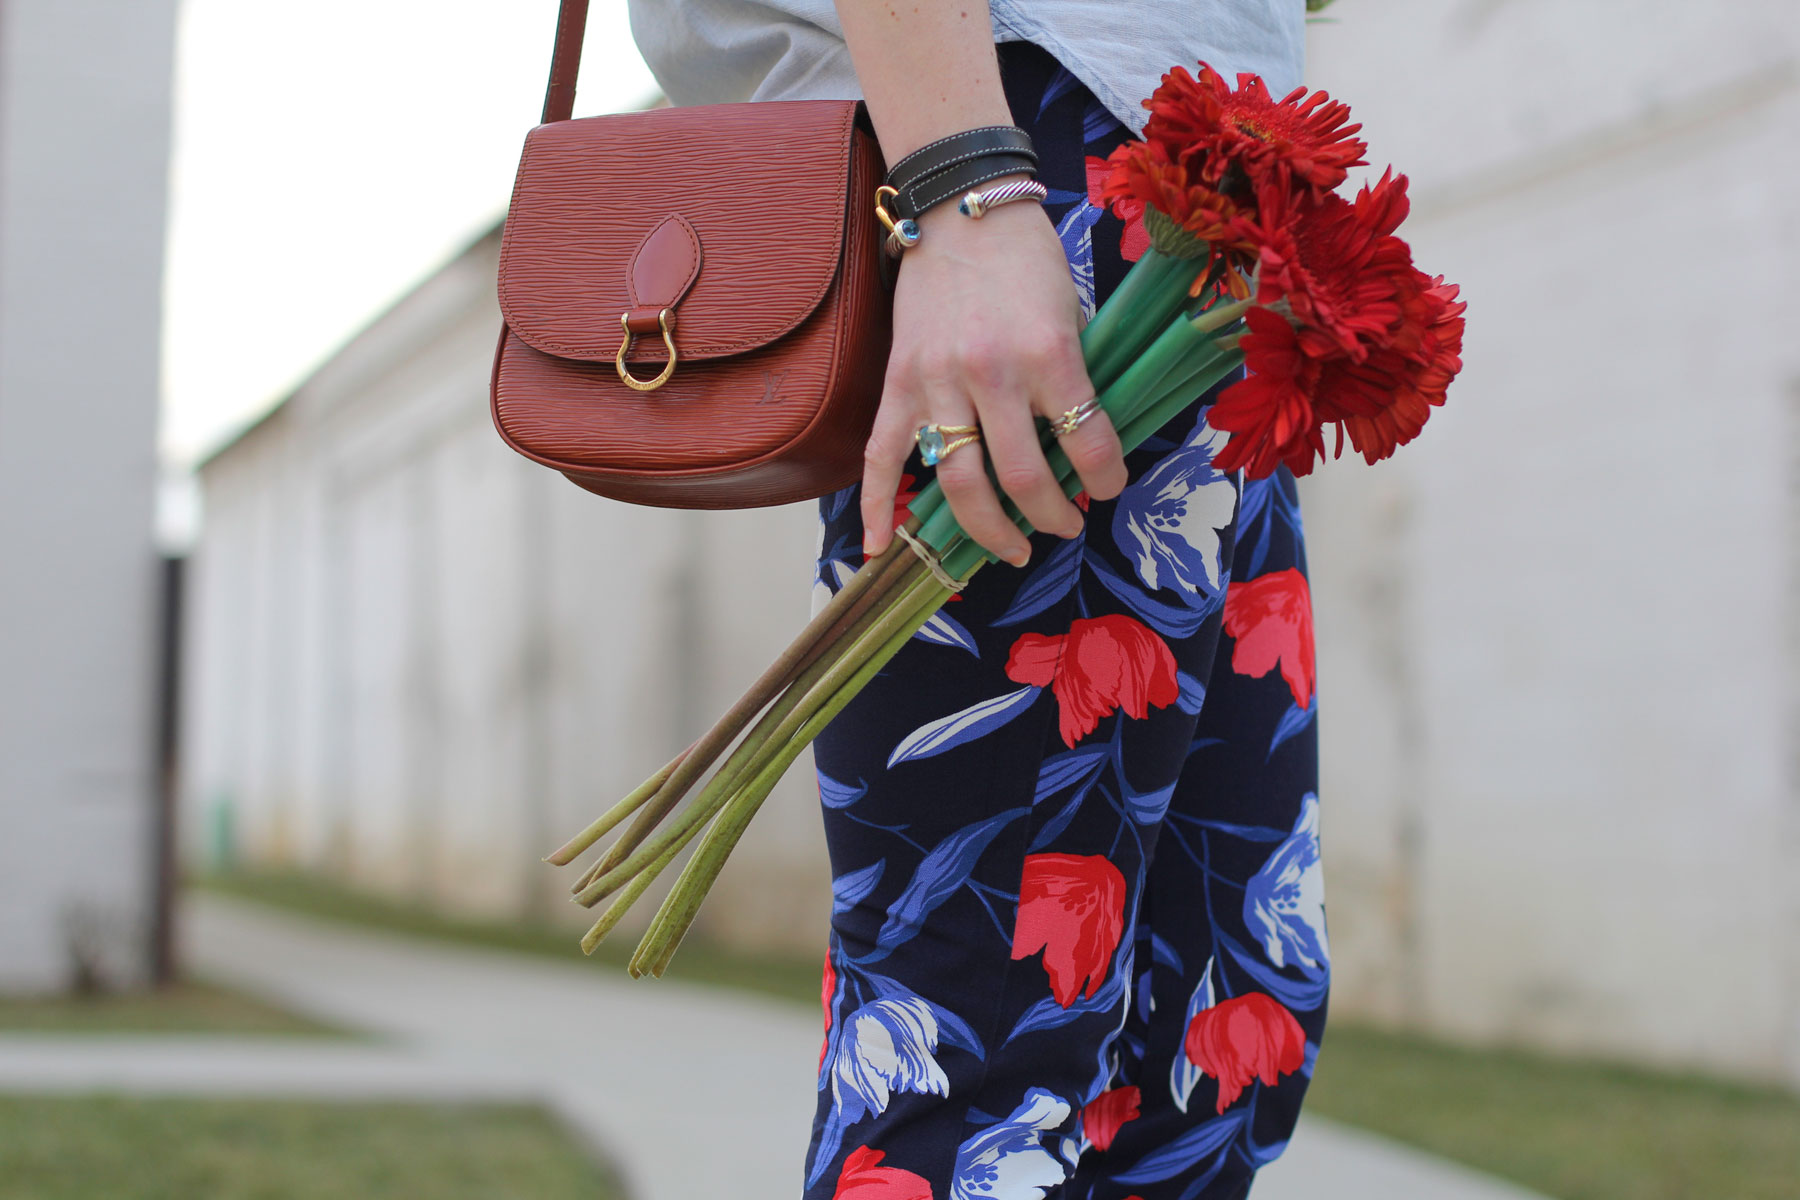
(1558,635)
(84,140)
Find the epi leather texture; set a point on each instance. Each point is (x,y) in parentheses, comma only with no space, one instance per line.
(752,226)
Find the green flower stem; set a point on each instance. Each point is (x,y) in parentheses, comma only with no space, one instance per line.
(873,579)
(672,922)
(774,728)
(573,848)
(1154,288)
(633,892)
(624,859)
(1174,401)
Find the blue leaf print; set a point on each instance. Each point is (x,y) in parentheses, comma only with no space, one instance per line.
(851,888)
(831,1136)
(1055,825)
(945,631)
(941,873)
(839,795)
(833,505)
(1170,620)
(946,733)
(1185,1152)
(1162,952)
(1292,722)
(1263,501)
(1048,1014)
(1070,768)
(1193,1190)
(1097,122)
(1046,585)
(1250,833)
(1060,85)
(1147,808)
(1193,694)
(1297,995)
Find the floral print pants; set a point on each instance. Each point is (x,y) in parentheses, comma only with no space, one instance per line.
(1078,942)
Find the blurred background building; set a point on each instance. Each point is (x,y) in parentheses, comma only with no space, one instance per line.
(82,209)
(1559,637)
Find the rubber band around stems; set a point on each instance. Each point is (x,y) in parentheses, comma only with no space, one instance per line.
(930,559)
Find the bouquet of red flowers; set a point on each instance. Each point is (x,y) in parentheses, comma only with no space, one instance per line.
(1255,261)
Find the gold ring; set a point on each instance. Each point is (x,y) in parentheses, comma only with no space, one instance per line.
(937,441)
(1071,420)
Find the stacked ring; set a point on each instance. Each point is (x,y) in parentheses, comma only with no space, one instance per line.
(1071,420)
(938,442)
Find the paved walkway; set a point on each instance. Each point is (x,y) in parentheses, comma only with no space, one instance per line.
(693,1093)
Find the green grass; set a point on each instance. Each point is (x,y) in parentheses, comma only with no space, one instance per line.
(783,977)
(128,1149)
(181,1008)
(1575,1130)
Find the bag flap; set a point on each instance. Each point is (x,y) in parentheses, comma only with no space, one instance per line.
(762,186)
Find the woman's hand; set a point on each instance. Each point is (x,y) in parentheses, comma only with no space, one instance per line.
(986,325)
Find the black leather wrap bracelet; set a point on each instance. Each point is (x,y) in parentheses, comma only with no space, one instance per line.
(951,166)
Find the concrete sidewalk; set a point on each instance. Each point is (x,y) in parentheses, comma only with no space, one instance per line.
(692,1092)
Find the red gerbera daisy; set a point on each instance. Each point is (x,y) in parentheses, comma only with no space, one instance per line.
(1298,137)
(1143,179)
(1406,385)
(1269,413)
(1335,267)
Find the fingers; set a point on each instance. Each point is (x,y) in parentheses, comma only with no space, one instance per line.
(963,473)
(1061,383)
(1010,437)
(884,456)
(963,476)
(1095,453)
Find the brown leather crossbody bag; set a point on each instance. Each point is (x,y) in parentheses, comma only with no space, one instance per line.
(696,313)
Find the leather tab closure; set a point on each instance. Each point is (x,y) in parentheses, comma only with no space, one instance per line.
(664,268)
(646,320)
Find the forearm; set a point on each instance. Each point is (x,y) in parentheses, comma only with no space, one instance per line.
(927,68)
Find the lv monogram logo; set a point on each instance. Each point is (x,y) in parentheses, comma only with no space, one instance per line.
(771,382)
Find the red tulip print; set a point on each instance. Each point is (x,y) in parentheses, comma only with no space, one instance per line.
(1101,1119)
(1101,666)
(1247,1037)
(1072,907)
(863,1178)
(1270,617)
(827,986)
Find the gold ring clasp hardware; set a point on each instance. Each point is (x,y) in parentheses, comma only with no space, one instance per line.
(646,385)
(902,235)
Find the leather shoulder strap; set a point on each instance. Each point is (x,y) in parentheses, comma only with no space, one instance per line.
(565,61)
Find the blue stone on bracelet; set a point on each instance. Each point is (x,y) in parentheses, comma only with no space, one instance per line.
(931,445)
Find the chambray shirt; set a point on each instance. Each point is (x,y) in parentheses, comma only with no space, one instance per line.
(713,51)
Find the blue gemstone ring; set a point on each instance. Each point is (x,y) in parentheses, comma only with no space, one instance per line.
(938,442)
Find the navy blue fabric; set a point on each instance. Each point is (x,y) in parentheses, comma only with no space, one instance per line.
(1078,945)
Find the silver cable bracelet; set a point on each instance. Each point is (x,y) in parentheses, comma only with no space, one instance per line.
(977,204)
